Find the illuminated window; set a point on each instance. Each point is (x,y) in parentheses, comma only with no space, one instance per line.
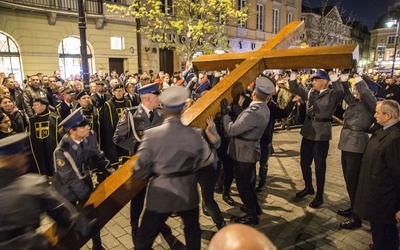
(10,60)
(70,59)
(117,43)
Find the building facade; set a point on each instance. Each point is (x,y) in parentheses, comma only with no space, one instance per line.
(325,27)
(43,36)
(38,36)
(383,43)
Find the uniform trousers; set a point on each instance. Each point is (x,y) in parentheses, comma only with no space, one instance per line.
(351,165)
(265,154)
(207,177)
(137,204)
(152,223)
(227,171)
(247,193)
(384,236)
(317,151)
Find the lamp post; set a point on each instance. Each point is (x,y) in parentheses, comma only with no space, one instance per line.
(395,16)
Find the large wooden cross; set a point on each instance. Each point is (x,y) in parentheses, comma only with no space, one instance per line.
(118,189)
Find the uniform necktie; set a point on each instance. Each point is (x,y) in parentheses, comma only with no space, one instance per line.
(151,116)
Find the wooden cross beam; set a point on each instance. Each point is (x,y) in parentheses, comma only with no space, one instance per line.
(118,189)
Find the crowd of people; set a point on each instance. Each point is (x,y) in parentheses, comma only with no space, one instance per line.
(90,132)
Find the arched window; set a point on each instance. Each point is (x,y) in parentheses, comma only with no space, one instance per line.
(70,57)
(10,59)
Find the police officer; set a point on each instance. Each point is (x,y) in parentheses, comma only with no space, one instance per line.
(244,146)
(74,157)
(358,117)
(43,137)
(166,155)
(321,102)
(129,132)
(25,197)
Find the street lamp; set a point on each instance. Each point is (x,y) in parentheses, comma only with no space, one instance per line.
(395,16)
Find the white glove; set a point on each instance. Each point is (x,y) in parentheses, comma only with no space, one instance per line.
(358,79)
(293,76)
(333,77)
(344,77)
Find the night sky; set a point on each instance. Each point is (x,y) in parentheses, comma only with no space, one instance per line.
(366,11)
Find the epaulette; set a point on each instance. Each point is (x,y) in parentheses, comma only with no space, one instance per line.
(254,108)
(132,109)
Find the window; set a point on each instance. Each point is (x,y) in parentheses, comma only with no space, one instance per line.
(381,51)
(10,60)
(117,43)
(70,59)
(373,40)
(241,5)
(260,17)
(388,54)
(167,7)
(275,21)
(390,40)
(289,18)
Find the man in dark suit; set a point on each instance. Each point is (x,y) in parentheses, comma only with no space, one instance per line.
(378,190)
(171,159)
(321,103)
(358,117)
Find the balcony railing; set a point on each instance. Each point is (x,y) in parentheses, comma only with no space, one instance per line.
(91,6)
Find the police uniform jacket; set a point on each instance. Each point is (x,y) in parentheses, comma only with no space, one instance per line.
(317,125)
(29,95)
(167,155)
(43,139)
(23,199)
(72,163)
(358,118)
(123,131)
(246,132)
(378,190)
(112,111)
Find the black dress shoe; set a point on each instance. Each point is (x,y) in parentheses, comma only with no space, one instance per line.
(218,190)
(317,202)
(260,188)
(304,192)
(249,219)
(205,212)
(228,199)
(353,223)
(244,209)
(345,212)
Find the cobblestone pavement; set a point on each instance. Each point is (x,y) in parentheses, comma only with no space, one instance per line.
(289,222)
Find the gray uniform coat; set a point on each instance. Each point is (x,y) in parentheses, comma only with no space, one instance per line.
(246,132)
(359,113)
(170,149)
(125,137)
(320,106)
(378,191)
